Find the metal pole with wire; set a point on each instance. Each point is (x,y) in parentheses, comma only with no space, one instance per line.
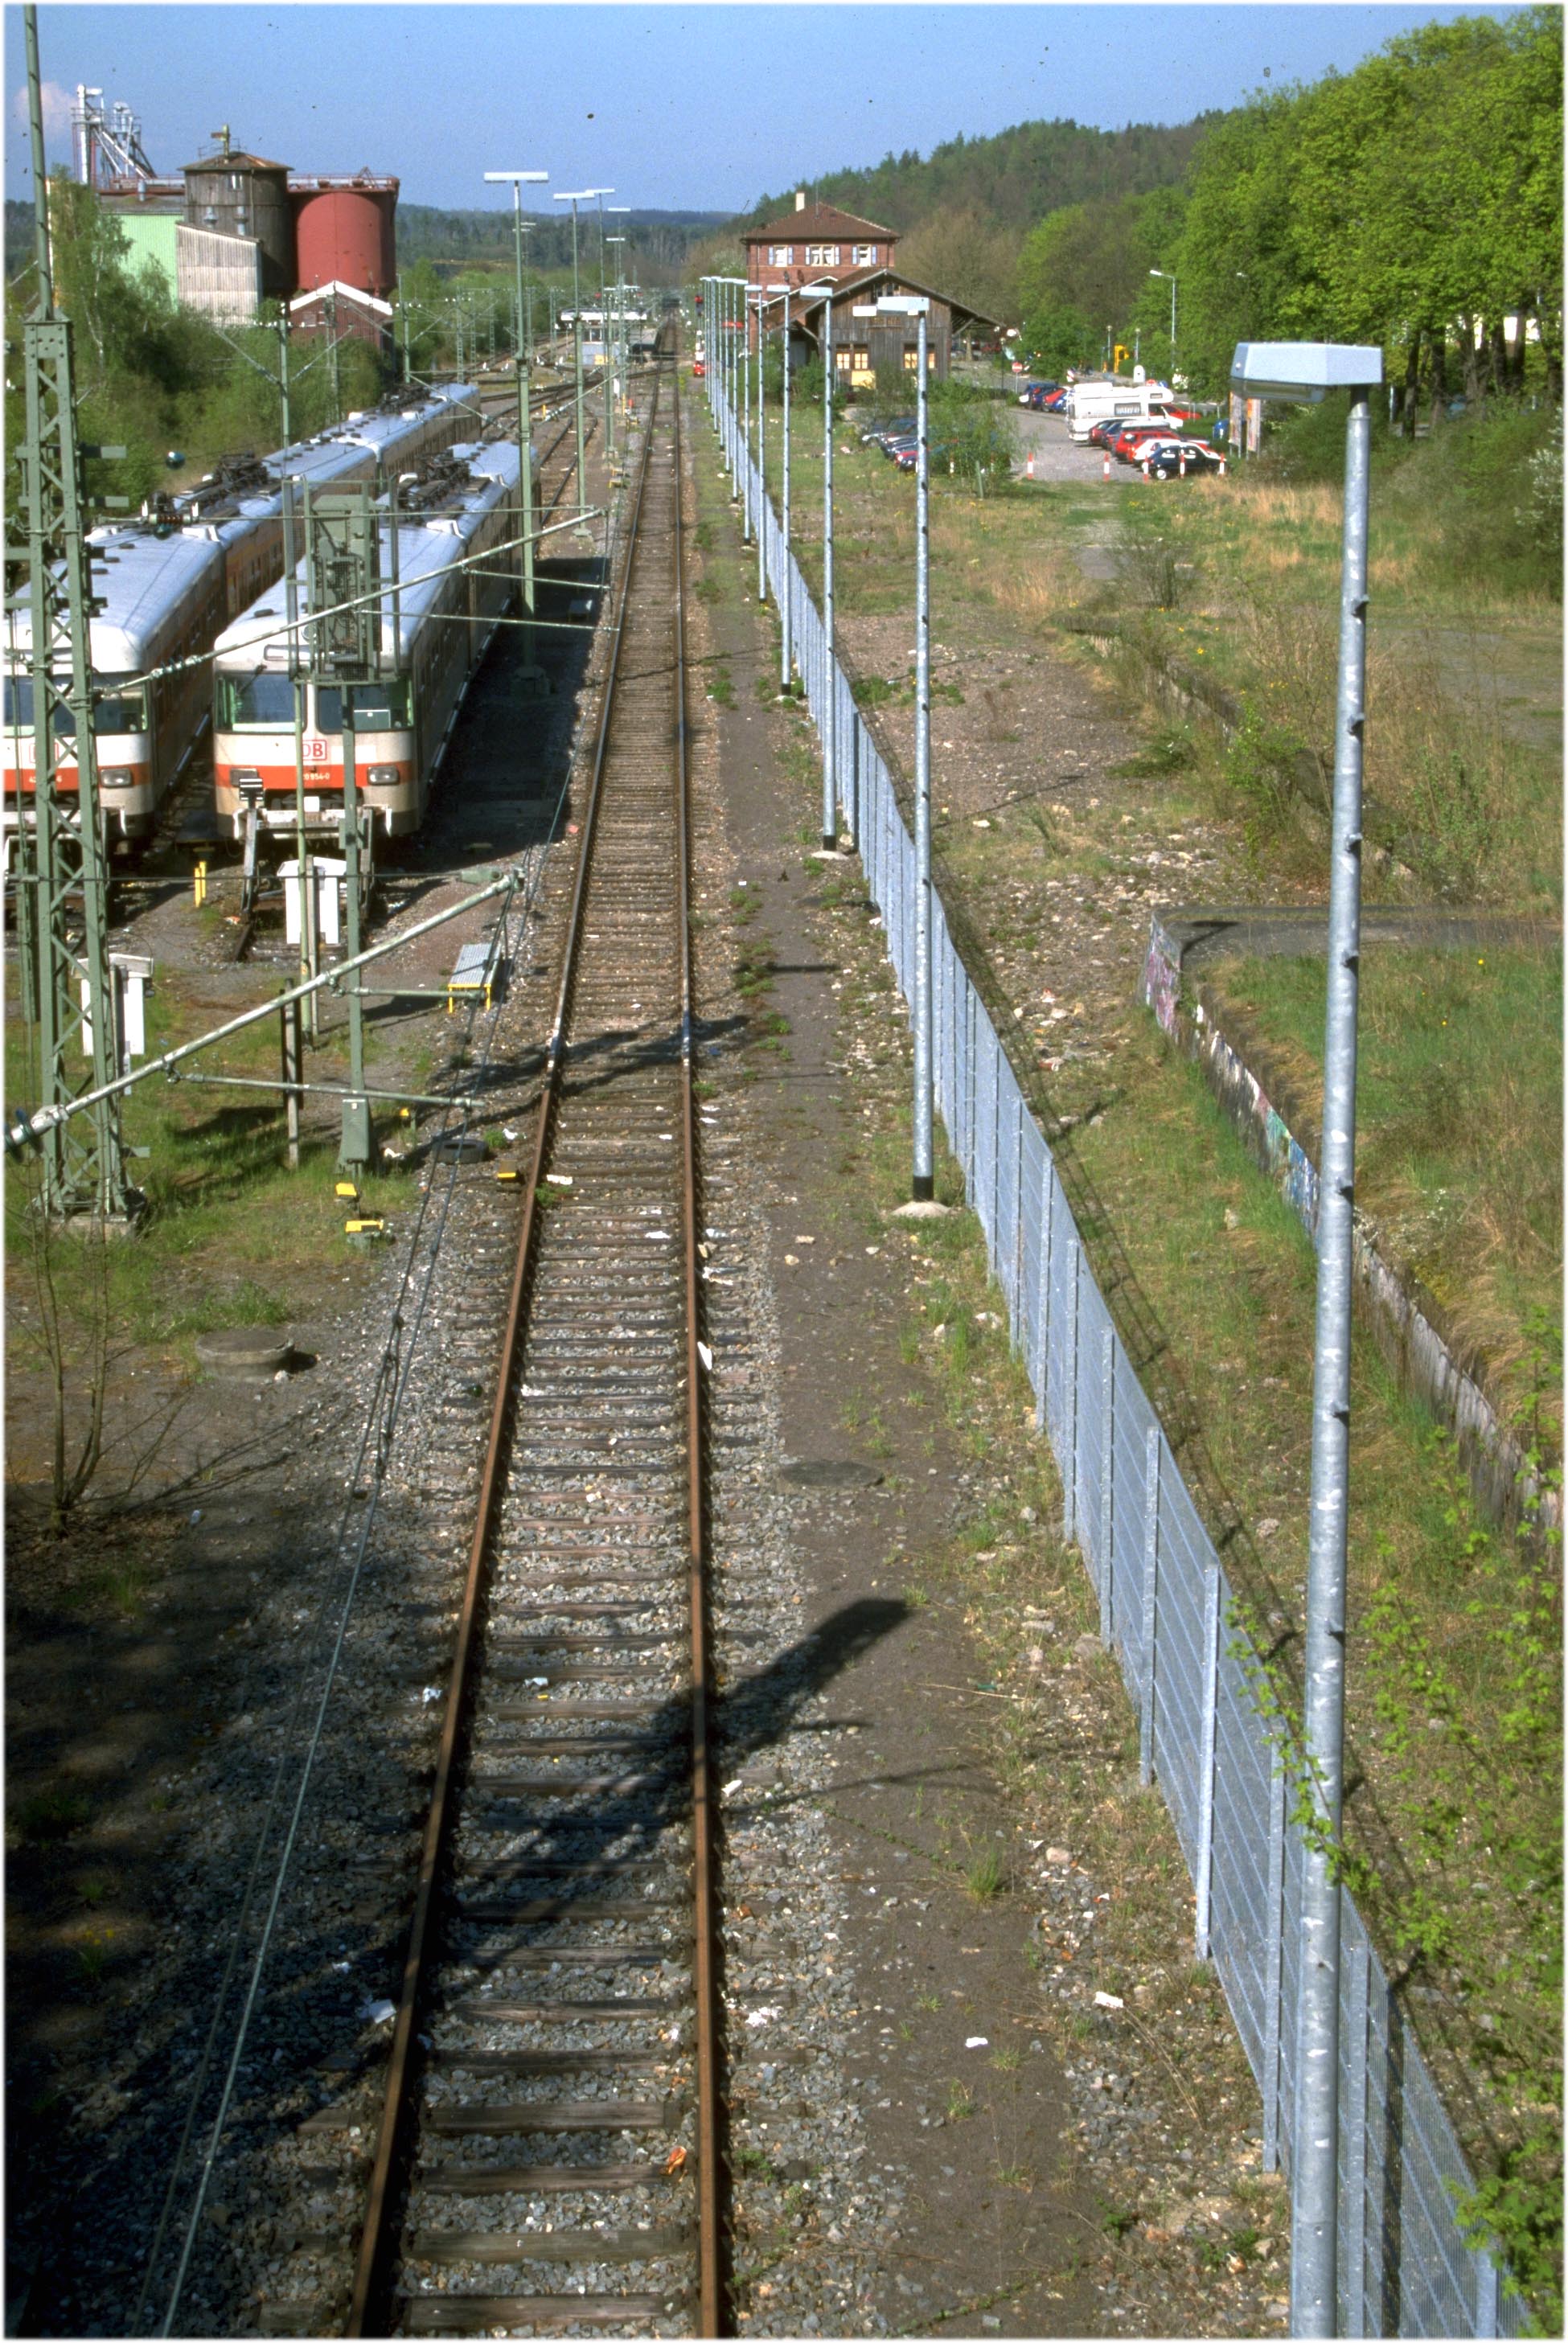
(524,420)
(829,692)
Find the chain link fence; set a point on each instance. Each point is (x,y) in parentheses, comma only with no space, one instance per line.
(1166,1609)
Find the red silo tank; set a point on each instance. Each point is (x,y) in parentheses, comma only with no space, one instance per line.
(344,233)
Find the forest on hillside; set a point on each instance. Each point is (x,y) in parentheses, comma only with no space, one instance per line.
(1416,202)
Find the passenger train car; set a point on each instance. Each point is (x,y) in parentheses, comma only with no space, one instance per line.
(168,584)
(435,627)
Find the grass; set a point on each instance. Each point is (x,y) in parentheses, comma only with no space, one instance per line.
(229,1233)
(1459,1141)
(985,1877)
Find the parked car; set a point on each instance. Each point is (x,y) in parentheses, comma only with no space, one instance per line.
(877,433)
(1056,402)
(1168,459)
(1126,438)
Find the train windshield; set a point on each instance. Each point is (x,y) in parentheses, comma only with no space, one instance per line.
(375,707)
(263,702)
(115,709)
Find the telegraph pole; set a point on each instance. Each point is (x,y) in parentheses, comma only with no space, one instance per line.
(83,1172)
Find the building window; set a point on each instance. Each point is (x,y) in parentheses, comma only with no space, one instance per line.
(780,254)
(822,256)
(863,255)
(912,359)
(841,359)
(862,357)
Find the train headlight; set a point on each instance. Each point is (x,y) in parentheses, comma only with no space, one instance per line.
(116,776)
(384,776)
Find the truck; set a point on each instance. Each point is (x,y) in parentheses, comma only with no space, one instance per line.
(1089,403)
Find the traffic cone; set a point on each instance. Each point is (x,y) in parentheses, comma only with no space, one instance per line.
(1221,468)
(1029,467)
(1145,468)
(1181,468)
(1108,467)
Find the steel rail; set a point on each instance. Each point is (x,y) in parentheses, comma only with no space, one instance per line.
(712,2293)
(368,2303)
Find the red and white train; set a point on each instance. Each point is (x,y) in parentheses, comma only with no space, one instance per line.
(435,626)
(169,584)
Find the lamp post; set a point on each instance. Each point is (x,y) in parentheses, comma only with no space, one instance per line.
(747,489)
(524,420)
(830,728)
(1165,272)
(1307,371)
(613,370)
(576,196)
(786,599)
(923,1183)
(761,460)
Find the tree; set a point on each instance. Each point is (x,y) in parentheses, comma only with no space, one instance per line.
(970,257)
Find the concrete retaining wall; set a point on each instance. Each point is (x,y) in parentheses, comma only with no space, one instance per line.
(1403,1326)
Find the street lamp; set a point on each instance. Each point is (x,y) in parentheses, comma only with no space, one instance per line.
(576,196)
(1308,371)
(830,729)
(613,370)
(1165,272)
(923,1184)
(525,421)
(761,459)
(786,598)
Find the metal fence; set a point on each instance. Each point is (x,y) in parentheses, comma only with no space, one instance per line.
(1165,1607)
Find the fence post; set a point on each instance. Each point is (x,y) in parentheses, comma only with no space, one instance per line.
(1485,2294)
(1150,1595)
(1108,1487)
(1070,1429)
(1273,1986)
(293,1067)
(1204,1882)
(1015,1299)
(1353,2264)
(1042,1297)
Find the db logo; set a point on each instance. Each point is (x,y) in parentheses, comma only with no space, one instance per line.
(315,751)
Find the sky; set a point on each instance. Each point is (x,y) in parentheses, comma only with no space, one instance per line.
(678,108)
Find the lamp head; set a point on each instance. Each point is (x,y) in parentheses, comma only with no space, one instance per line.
(1304,370)
(512,177)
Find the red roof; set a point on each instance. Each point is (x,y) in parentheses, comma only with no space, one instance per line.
(818,223)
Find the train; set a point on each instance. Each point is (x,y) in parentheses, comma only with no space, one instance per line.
(167,584)
(441,603)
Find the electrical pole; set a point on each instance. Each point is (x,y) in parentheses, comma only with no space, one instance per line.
(531,675)
(342,553)
(84,1171)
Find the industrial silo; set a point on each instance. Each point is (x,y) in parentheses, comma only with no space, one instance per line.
(344,232)
(236,194)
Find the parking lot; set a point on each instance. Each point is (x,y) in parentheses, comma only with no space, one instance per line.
(1056,457)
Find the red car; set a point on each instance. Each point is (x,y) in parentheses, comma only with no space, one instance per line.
(1125,437)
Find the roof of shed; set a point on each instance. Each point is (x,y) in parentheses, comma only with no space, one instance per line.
(863,281)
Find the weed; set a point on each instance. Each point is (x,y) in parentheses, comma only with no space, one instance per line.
(929,2000)
(1119,2220)
(1014,2176)
(720,688)
(961,2102)
(1007,2062)
(54,1814)
(986,1877)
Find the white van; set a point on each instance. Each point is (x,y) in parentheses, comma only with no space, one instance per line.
(1089,403)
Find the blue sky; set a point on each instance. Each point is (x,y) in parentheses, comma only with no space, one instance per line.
(678,106)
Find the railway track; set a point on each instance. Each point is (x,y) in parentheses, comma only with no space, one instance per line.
(549,2153)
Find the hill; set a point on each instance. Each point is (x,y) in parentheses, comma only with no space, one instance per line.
(1011,180)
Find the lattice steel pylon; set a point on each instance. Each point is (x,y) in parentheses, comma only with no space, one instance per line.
(83,1159)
